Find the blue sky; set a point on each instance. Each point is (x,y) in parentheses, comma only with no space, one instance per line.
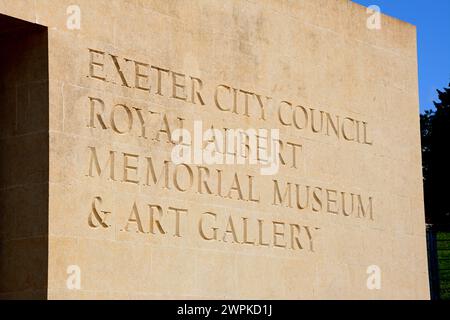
(432,19)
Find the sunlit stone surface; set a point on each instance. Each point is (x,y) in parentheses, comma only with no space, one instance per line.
(93,205)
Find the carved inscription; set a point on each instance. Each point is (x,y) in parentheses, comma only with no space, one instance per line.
(265,198)
(225,98)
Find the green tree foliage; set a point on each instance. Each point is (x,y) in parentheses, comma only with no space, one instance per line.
(435,128)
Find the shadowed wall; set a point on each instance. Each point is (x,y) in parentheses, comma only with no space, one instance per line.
(23,159)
